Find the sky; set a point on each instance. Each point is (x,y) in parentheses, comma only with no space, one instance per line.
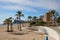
(8,8)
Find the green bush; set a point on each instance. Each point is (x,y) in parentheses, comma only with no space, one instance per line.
(38,23)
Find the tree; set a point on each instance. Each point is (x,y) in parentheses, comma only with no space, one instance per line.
(58,19)
(7,22)
(11,23)
(54,14)
(34,19)
(30,18)
(19,15)
(40,21)
(40,18)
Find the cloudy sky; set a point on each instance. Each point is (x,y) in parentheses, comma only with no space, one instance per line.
(37,8)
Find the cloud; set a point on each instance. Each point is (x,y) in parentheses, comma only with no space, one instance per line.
(44,4)
(14,1)
(17,7)
(36,3)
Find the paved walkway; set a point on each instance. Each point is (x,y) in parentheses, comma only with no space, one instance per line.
(56,29)
(52,33)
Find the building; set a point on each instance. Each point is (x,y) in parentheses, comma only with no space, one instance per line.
(47,18)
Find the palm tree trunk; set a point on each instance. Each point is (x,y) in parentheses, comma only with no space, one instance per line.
(20,28)
(11,27)
(30,22)
(20,23)
(7,27)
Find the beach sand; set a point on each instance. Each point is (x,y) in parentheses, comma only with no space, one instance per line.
(20,35)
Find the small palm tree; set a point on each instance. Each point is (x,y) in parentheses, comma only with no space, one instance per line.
(7,22)
(19,14)
(30,18)
(11,23)
(34,19)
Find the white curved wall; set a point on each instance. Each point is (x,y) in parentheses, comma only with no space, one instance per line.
(52,33)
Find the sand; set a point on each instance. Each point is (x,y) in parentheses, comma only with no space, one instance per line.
(20,35)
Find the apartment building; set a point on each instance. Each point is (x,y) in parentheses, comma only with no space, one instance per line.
(47,18)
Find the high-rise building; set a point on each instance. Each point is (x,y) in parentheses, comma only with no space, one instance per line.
(47,18)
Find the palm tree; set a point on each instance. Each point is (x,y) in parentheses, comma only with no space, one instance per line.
(11,23)
(7,22)
(35,19)
(30,18)
(54,14)
(19,14)
(17,23)
(40,21)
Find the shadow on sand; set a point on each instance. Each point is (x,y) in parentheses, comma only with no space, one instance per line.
(16,33)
